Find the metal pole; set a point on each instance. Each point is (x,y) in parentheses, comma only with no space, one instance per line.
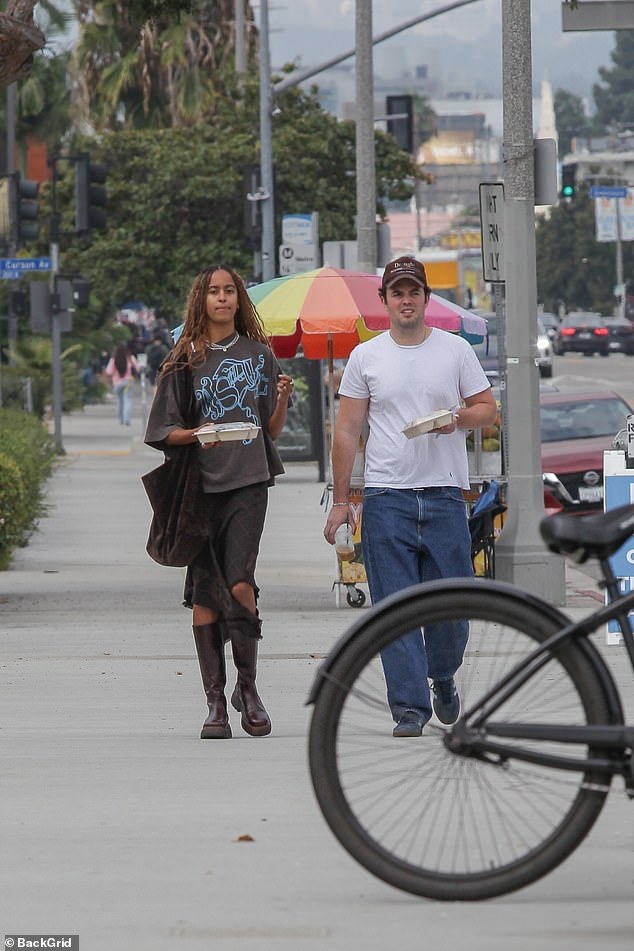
(12,324)
(619,260)
(521,557)
(366,179)
(11,128)
(266,148)
(56,334)
(241,57)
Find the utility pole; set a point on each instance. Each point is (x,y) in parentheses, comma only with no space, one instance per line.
(366,177)
(12,329)
(266,149)
(521,557)
(56,336)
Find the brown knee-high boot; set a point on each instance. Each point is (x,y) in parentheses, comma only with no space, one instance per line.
(211,657)
(245,698)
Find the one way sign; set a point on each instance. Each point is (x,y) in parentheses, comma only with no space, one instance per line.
(492,229)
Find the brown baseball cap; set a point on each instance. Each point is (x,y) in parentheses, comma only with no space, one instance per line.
(405,267)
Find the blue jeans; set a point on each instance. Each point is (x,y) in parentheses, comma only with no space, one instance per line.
(123,392)
(410,536)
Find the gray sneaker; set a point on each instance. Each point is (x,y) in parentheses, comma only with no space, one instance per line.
(446,701)
(410,724)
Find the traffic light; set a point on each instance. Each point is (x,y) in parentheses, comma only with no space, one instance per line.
(402,125)
(252,220)
(568,181)
(24,209)
(17,301)
(81,292)
(90,195)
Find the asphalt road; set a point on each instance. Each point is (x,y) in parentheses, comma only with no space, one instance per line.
(615,372)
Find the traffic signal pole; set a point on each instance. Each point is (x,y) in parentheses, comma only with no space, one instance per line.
(521,557)
(56,335)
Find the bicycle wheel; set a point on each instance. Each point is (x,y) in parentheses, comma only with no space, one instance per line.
(429,821)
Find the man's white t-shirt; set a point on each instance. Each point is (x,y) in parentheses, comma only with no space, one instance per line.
(403,384)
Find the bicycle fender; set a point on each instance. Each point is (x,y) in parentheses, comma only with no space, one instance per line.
(465,585)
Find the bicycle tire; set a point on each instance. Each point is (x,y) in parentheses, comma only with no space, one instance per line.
(416,815)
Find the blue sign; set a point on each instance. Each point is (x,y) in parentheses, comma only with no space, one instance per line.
(608,191)
(619,490)
(18,267)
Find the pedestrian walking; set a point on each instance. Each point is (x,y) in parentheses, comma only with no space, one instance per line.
(123,369)
(155,353)
(232,377)
(414,526)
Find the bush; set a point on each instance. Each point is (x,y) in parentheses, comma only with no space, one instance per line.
(13,515)
(27,453)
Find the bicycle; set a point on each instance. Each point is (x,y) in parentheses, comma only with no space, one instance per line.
(500,798)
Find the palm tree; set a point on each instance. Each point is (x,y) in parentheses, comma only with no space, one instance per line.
(167,74)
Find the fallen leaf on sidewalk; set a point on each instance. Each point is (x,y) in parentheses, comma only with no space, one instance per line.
(245,838)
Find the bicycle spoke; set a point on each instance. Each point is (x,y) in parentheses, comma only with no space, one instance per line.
(437,823)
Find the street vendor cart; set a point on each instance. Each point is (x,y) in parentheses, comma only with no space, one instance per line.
(324,314)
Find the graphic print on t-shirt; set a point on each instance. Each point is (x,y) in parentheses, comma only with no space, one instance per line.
(230,387)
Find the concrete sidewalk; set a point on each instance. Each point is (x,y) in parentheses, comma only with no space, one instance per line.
(121,826)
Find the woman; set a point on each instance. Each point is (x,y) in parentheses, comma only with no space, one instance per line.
(231,375)
(123,369)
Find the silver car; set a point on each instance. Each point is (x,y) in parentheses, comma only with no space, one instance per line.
(487,351)
(544,351)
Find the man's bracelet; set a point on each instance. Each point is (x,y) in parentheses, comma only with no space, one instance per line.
(340,503)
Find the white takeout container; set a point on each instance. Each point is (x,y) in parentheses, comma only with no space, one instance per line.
(226,432)
(440,417)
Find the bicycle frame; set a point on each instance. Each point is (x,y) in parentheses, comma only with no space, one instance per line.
(466,739)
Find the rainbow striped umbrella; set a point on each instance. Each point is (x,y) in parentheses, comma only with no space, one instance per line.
(328,311)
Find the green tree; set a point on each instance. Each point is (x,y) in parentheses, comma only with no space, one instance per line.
(615,99)
(175,198)
(165,72)
(572,266)
(570,119)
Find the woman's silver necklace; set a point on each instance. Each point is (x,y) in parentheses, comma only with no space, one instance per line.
(224,347)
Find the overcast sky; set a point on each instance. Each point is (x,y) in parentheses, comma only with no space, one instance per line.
(312,31)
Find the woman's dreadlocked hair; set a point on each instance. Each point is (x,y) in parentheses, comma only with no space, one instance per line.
(190,348)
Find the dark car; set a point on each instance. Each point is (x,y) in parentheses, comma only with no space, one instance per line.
(621,332)
(576,428)
(582,332)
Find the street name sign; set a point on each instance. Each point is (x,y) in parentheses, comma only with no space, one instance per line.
(492,229)
(608,191)
(18,267)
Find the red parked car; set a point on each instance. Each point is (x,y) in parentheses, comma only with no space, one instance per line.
(575,430)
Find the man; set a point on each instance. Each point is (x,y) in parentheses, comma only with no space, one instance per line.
(415,525)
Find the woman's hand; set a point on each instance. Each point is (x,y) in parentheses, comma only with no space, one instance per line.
(284,386)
